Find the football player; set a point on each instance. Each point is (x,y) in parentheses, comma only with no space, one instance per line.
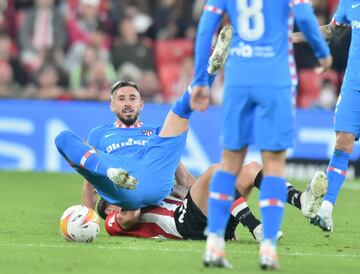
(257,106)
(184,217)
(347,112)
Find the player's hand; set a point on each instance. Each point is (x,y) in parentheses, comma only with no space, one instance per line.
(325,64)
(200,98)
(298,37)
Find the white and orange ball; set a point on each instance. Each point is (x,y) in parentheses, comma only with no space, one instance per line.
(79,224)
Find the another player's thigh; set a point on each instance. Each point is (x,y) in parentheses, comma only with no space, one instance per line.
(190,221)
(237,118)
(274,118)
(347,113)
(162,154)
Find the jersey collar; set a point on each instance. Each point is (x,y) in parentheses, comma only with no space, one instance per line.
(136,125)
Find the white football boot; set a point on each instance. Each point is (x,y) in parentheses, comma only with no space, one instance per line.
(257,233)
(214,255)
(268,258)
(323,218)
(312,197)
(121,178)
(221,50)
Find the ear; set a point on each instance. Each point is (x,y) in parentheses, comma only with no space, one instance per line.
(111,103)
(142,104)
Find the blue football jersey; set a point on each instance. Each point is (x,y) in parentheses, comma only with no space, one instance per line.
(112,139)
(261,51)
(348,13)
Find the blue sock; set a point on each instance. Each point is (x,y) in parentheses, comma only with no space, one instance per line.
(182,105)
(272,198)
(211,79)
(80,154)
(336,174)
(221,196)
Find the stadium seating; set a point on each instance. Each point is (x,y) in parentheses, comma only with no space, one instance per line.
(168,57)
(309,87)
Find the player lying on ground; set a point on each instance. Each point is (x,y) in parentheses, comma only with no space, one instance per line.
(186,218)
(347,125)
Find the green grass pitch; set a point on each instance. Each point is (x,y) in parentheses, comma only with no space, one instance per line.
(32,203)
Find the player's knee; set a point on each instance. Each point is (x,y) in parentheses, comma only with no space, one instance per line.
(214,167)
(345,141)
(253,168)
(62,138)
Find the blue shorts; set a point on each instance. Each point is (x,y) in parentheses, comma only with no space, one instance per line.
(260,115)
(347,112)
(154,166)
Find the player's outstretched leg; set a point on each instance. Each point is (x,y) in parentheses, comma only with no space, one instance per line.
(177,120)
(312,197)
(308,201)
(80,155)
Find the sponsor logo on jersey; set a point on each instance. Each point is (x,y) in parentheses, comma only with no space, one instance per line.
(129,142)
(248,51)
(355,6)
(108,135)
(148,132)
(355,24)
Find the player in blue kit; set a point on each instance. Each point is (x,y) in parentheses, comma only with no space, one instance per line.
(347,112)
(257,106)
(130,164)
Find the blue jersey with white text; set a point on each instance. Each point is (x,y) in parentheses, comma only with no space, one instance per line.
(348,13)
(261,52)
(112,139)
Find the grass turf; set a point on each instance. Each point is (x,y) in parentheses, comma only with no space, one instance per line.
(32,203)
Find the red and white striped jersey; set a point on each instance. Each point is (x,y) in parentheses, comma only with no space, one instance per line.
(155,222)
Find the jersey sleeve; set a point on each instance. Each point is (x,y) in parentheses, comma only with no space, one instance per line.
(209,21)
(339,17)
(93,137)
(111,225)
(307,23)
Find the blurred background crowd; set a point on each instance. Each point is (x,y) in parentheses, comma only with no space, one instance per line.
(75,49)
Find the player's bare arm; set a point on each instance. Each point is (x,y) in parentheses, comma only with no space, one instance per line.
(329,31)
(89,195)
(184,177)
(184,181)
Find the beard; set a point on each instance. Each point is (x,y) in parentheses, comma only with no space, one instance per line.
(129,121)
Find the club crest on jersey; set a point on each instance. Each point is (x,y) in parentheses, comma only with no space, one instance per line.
(148,132)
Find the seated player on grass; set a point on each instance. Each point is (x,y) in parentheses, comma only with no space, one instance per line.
(185,217)
(130,164)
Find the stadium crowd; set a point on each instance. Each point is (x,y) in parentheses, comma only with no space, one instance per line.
(75,49)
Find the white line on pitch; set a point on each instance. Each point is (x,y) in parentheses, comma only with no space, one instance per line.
(162,249)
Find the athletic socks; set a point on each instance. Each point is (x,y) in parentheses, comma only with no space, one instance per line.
(336,174)
(293,195)
(80,154)
(182,105)
(241,212)
(272,199)
(221,195)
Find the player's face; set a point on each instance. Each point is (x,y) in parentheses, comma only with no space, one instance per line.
(111,208)
(126,103)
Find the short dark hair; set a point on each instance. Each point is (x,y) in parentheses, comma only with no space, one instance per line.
(101,208)
(123,83)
